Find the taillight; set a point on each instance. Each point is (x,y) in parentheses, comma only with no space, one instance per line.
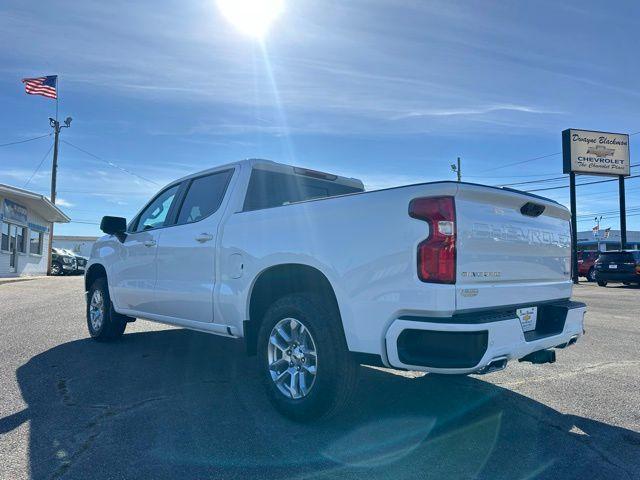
(436,254)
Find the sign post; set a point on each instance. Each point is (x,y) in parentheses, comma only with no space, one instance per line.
(594,153)
(623,214)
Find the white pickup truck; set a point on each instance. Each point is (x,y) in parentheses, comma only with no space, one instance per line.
(317,276)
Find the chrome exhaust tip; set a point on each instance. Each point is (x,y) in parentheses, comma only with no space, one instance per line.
(571,341)
(495,365)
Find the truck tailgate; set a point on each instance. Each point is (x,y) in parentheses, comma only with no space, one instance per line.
(505,256)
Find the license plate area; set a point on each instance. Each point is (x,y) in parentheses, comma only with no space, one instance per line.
(613,267)
(528,317)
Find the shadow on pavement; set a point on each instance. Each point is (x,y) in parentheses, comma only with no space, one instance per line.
(180,404)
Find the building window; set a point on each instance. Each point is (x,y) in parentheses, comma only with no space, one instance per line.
(4,245)
(35,243)
(21,240)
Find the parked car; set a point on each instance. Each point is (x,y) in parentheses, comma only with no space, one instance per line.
(586,261)
(621,266)
(62,263)
(81,262)
(317,276)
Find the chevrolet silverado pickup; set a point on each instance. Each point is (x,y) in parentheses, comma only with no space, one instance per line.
(317,276)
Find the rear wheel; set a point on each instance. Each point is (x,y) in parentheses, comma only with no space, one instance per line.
(306,367)
(104,324)
(591,275)
(602,283)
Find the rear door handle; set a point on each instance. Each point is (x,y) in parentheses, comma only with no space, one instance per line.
(150,243)
(204,237)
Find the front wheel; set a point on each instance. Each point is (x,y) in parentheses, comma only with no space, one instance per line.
(103,323)
(602,283)
(306,367)
(591,275)
(56,269)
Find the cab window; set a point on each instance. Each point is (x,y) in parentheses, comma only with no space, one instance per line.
(204,196)
(155,214)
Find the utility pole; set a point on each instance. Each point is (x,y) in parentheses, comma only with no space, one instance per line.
(598,231)
(55,124)
(456,168)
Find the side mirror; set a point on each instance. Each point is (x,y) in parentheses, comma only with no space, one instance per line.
(114,226)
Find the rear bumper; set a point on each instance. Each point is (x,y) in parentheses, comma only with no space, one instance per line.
(609,276)
(469,343)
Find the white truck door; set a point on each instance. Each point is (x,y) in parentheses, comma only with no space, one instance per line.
(187,251)
(133,275)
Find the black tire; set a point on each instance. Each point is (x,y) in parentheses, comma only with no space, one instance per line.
(337,372)
(591,275)
(56,269)
(602,283)
(112,325)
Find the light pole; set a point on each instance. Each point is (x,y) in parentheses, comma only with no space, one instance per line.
(457,169)
(55,124)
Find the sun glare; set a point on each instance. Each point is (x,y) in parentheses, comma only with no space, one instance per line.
(251,17)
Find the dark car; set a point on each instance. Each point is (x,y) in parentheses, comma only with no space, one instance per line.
(81,262)
(586,261)
(618,267)
(62,263)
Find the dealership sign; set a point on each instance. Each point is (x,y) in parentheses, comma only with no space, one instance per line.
(14,211)
(595,153)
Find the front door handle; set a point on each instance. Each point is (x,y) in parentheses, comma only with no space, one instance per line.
(204,237)
(150,243)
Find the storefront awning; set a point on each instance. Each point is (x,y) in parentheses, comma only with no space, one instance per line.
(35,202)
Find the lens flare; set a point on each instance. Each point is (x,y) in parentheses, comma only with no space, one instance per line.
(251,17)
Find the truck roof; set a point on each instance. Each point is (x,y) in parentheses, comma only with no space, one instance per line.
(270,165)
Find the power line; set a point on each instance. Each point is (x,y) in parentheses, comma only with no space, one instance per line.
(579,184)
(39,165)
(523,161)
(608,212)
(109,162)
(25,141)
(512,176)
(610,217)
(83,222)
(546,179)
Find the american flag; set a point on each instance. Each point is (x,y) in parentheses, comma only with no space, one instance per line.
(45,86)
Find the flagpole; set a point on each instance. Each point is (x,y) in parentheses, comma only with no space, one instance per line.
(57,97)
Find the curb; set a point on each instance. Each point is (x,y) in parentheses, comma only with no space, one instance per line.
(18,279)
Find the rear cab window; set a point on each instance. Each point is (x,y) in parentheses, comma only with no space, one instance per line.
(269,189)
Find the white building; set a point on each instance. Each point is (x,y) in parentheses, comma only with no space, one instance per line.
(588,241)
(25,222)
(77,244)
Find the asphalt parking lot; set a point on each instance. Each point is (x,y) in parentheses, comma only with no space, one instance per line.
(170,403)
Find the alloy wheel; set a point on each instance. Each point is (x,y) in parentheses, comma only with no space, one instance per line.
(292,358)
(96,310)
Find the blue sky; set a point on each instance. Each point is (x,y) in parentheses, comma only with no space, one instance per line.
(387,91)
